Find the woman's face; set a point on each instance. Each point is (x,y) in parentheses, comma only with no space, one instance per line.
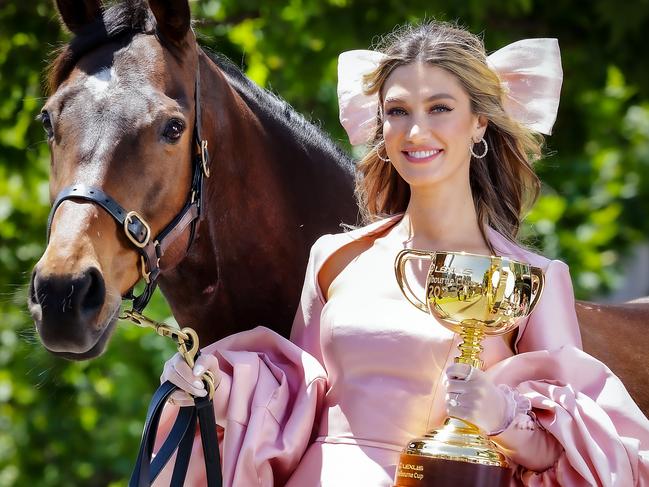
(428,125)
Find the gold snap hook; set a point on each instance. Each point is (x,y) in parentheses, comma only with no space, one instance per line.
(185,337)
(208,379)
(188,355)
(138,319)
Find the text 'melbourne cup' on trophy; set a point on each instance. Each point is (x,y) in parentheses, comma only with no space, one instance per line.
(474,296)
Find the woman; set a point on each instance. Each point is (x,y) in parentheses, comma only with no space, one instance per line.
(453,136)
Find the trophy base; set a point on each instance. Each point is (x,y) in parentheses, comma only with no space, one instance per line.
(421,471)
(456,455)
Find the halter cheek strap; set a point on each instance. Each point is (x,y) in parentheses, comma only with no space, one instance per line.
(136,228)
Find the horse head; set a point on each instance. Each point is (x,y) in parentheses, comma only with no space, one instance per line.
(120,123)
(129,183)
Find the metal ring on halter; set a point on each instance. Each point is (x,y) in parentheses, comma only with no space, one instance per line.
(486,148)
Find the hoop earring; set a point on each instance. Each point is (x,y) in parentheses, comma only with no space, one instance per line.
(376,148)
(486,148)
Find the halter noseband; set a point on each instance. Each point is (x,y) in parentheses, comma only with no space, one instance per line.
(136,228)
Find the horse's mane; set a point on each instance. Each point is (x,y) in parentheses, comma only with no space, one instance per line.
(272,108)
(121,21)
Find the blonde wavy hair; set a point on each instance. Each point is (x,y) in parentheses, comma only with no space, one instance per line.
(503,184)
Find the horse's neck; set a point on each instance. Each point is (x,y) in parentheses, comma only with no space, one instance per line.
(247,263)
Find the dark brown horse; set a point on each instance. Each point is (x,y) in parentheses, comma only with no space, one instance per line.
(618,335)
(122,119)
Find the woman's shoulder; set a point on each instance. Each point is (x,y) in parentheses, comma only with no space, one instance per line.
(505,247)
(327,244)
(331,253)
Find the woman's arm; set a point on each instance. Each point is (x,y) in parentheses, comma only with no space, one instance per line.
(305,332)
(552,325)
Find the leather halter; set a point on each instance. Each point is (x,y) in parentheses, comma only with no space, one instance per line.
(136,228)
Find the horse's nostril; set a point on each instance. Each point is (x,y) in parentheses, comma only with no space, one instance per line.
(92,293)
(32,290)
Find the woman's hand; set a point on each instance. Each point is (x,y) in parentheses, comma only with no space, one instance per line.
(189,380)
(472,396)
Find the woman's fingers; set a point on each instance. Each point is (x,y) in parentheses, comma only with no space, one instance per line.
(187,379)
(205,362)
(181,367)
(472,396)
(178,373)
(196,388)
(457,387)
(458,371)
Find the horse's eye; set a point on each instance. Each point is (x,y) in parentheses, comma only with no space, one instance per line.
(173,130)
(47,123)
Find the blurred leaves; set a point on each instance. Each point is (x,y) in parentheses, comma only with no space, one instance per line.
(594,201)
(79,424)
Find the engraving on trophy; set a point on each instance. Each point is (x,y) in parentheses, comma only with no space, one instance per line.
(410,471)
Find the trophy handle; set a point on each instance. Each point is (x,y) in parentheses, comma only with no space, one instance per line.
(538,283)
(399,269)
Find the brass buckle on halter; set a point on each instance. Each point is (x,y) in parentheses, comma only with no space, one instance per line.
(205,155)
(128,220)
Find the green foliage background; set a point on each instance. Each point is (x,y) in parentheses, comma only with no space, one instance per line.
(78,424)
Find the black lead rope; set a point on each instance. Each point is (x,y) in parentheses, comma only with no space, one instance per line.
(180,439)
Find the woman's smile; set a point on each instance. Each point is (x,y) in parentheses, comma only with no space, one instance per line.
(421,155)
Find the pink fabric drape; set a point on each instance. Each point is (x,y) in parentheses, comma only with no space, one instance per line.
(605,437)
(273,392)
(266,403)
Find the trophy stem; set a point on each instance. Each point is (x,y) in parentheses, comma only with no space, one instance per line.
(471,347)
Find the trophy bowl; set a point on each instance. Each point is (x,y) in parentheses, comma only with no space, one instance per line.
(475,296)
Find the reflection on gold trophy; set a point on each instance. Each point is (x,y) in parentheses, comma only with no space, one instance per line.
(474,296)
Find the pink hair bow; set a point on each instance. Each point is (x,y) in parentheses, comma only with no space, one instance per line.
(529,70)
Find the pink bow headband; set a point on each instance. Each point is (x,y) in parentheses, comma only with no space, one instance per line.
(529,70)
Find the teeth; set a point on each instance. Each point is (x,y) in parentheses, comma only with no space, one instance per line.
(422,154)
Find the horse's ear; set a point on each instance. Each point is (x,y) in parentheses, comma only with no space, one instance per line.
(76,14)
(173,18)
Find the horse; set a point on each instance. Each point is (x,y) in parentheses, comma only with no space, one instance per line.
(618,335)
(135,105)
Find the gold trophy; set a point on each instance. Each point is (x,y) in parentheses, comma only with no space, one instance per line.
(474,296)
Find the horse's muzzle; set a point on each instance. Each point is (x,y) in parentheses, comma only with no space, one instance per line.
(66,310)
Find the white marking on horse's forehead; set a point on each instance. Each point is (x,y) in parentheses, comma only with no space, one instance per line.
(129,109)
(99,83)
